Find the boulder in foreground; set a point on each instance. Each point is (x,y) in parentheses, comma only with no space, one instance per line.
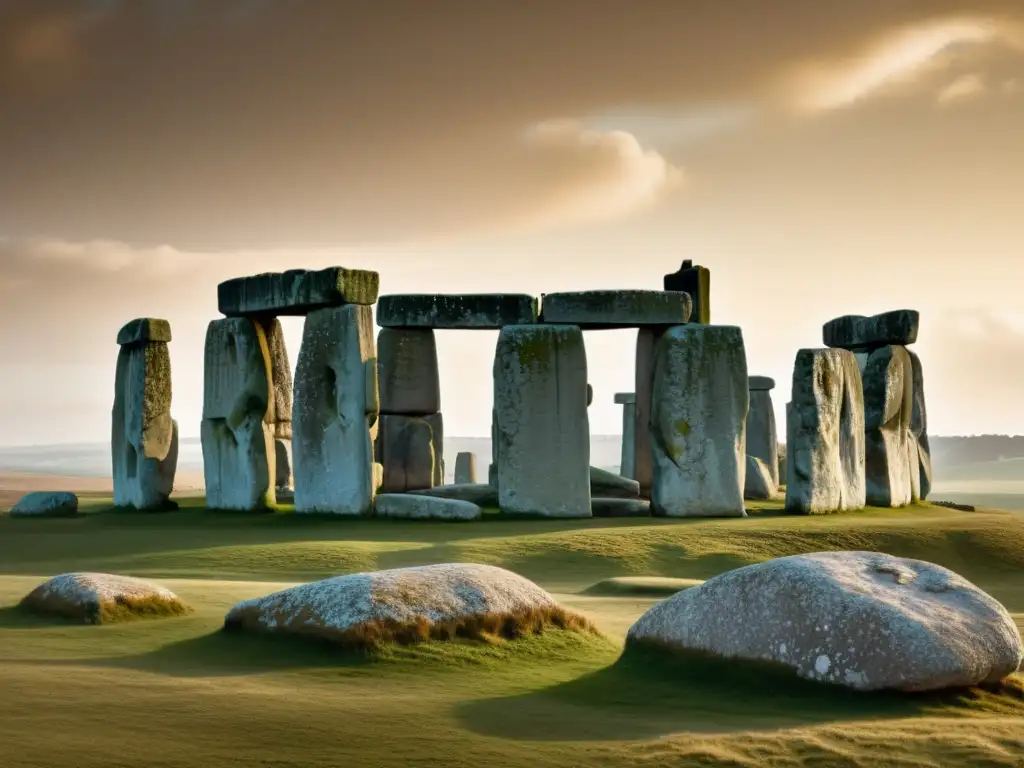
(407,605)
(863,620)
(45,504)
(97,598)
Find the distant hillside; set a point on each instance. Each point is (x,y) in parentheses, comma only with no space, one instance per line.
(977,449)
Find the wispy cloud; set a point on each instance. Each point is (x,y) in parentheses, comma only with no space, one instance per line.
(963,88)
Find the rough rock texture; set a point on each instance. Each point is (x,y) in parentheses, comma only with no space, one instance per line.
(612,486)
(627,462)
(416,507)
(296,292)
(239,453)
(481,494)
(408,372)
(825,434)
(760,383)
(46,504)
(696,281)
(762,437)
(597,310)
(600,507)
(280,376)
(542,429)
(698,422)
(643,456)
(283,474)
(99,597)
(405,448)
(890,450)
(858,333)
(465,468)
(144,437)
(758,485)
(336,411)
(469,311)
(400,605)
(143,330)
(919,429)
(860,619)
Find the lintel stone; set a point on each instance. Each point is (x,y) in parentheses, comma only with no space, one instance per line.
(297,292)
(605,310)
(458,311)
(143,330)
(858,333)
(625,398)
(760,383)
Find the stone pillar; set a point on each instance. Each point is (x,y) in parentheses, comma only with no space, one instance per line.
(336,412)
(825,434)
(465,468)
(239,419)
(281,378)
(698,422)
(144,438)
(891,456)
(919,429)
(696,281)
(643,462)
(627,465)
(542,429)
(762,437)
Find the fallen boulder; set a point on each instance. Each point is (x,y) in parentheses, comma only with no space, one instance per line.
(608,485)
(413,506)
(44,504)
(620,507)
(97,598)
(863,620)
(481,494)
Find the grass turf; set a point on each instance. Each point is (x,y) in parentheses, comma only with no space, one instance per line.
(182,692)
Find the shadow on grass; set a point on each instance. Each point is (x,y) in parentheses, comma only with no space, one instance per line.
(649,693)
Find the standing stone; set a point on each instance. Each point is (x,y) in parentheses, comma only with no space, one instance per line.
(239,452)
(407,368)
(465,468)
(891,456)
(144,438)
(643,458)
(603,310)
(696,281)
(405,448)
(627,464)
(762,437)
(857,333)
(283,452)
(825,434)
(280,375)
(698,422)
(542,429)
(758,485)
(919,428)
(336,412)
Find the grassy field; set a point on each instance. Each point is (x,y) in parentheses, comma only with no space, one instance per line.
(178,692)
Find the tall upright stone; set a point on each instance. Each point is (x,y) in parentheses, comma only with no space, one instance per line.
(698,422)
(144,438)
(696,281)
(465,468)
(643,458)
(762,436)
(239,419)
(405,449)
(280,376)
(541,426)
(627,464)
(825,434)
(919,429)
(891,457)
(336,412)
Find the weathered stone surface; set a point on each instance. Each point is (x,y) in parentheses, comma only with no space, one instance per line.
(863,620)
(144,437)
(143,330)
(407,368)
(643,457)
(481,494)
(825,434)
(296,292)
(283,475)
(627,462)
(611,486)
(46,504)
(336,411)
(919,429)
(698,422)
(625,398)
(762,437)
(761,383)
(467,311)
(758,485)
(239,454)
(465,468)
(280,376)
(696,281)
(410,506)
(598,310)
(890,450)
(99,597)
(542,429)
(620,507)
(350,608)
(405,448)
(857,333)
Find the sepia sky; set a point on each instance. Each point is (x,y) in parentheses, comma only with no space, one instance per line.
(820,158)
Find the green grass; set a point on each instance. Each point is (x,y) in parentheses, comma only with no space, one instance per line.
(181,692)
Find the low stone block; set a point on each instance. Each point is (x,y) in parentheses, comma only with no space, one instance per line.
(467,311)
(611,486)
(761,383)
(694,280)
(45,504)
(857,332)
(758,485)
(405,448)
(410,383)
(620,508)
(890,450)
(144,330)
(411,506)
(296,292)
(481,494)
(601,310)
(465,468)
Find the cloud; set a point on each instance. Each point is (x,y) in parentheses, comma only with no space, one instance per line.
(963,88)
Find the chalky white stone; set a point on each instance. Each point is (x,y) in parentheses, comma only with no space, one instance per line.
(411,506)
(89,595)
(890,452)
(46,504)
(698,422)
(335,413)
(864,620)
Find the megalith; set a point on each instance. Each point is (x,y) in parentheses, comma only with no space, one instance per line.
(825,434)
(465,468)
(696,281)
(144,438)
(758,484)
(643,459)
(405,449)
(239,418)
(336,412)
(540,421)
(627,464)
(698,422)
(919,429)
(891,458)
(762,436)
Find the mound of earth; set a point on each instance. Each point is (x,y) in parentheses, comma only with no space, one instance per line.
(46,504)
(408,605)
(101,597)
(641,586)
(863,620)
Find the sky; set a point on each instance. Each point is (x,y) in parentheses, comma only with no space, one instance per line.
(820,158)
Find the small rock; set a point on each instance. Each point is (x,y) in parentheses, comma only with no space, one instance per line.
(100,597)
(44,504)
(420,507)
